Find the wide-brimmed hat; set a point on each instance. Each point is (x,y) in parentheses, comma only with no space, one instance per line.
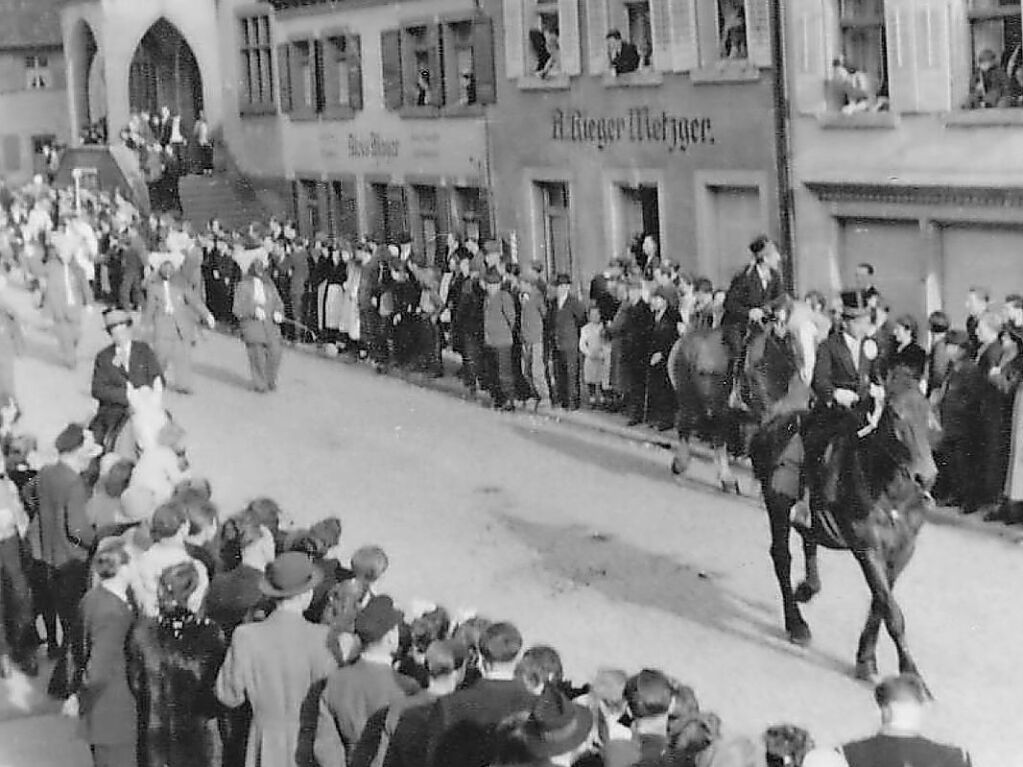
(291,574)
(115,317)
(556,725)
(174,257)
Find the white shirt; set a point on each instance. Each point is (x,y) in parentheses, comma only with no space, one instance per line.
(122,356)
(168,303)
(854,349)
(258,293)
(67,285)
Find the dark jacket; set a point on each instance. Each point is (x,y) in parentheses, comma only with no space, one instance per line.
(110,384)
(106,704)
(498,319)
(912,358)
(565,323)
(64,531)
(407,746)
(888,751)
(256,331)
(664,333)
(834,369)
(627,59)
(462,725)
(633,325)
(960,401)
(746,292)
(234,598)
(532,314)
(172,665)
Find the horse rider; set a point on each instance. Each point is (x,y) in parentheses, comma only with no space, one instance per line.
(124,361)
(748,299)
(846,379)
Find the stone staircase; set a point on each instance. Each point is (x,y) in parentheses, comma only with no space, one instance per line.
(224,196)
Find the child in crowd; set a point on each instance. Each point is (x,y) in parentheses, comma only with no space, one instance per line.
(596,351)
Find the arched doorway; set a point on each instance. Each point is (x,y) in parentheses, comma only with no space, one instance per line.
(164,73)
(87,76)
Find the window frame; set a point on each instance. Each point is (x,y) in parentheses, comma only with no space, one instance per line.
(847,22)
(352,56)
(263,50)
(34,70)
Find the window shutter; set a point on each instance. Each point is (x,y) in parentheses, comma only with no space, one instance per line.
(483,54)
(354,51)
(660,31)
(901,61)
(685,48)
(514,39)
(397,208)
(758,32)
(596,28)
(348,211)
(331,86)
(319,93)
(284,75)
(568,24)
(433,38)
(390,54)
(810,65)
(933,57)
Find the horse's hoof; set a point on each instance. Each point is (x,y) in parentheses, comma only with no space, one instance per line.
(676,467)
(799,634)
(805,592)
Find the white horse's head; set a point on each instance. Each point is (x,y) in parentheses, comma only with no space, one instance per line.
(148,414)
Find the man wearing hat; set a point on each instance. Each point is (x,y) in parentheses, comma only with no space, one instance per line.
(958,403)
(67,294)
(902,700)
(846,377)
(273,664)
(173,313)
(566,316)
(662,338)
(355,692)
(749,295)
(558,732)
(61,532)
(122,362)
(499,319)
(260,311)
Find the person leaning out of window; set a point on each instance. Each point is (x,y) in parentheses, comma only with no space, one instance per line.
(990,87)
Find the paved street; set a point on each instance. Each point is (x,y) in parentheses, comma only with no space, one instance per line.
(583,540)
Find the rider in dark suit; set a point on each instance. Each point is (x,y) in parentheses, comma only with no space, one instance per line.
(750,294)
(845,373)
(124,361)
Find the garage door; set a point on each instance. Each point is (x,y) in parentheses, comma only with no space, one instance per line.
(986,256)
(896,249)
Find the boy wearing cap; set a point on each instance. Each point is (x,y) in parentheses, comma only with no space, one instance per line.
(353,693)
(902,700)
(275,663)
(173,313)
(124,362)
(61,533)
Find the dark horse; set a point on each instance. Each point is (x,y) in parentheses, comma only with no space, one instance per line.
(698,368)
(875,495)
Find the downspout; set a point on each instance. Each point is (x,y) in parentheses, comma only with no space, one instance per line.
(782,144)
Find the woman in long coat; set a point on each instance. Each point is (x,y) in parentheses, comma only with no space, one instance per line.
(172,663)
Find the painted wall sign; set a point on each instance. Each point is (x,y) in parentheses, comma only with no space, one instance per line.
(372,146)
(639,125)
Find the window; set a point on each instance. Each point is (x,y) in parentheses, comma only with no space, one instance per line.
(344,216)
(322,77)
(255,67)
(542,39)
(307,204)
(861,78)
(430,224)
(638,16)
(995,39)
(37,73)
(555,238)
(731,29)
(473,213)
(389,211)
(427,67)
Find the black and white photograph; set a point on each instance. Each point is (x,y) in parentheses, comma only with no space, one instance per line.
(511,383)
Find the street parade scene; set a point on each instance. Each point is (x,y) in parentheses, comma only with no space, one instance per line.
(402,471)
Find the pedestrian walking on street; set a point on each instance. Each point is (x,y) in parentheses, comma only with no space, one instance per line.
(260,310)
(66,298)
(109,719)
(173,314)
(275,665)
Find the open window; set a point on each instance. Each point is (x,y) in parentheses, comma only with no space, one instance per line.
(858,81)
(997,63)
(542,41)
(321,77)
(342,75)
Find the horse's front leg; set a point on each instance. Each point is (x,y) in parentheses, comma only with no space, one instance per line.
(777,510)
(811,584)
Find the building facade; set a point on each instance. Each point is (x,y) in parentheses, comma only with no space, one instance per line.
(589,154)
(914,162)
(32,90)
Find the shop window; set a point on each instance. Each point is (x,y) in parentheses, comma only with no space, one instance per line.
(389,211)
(859,76)
(428,68)
(37,73)
(344,209)
(307,203)
(256,70)
(995,37)
(556,220)
(542,40)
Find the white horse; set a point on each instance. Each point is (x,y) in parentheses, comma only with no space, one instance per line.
(155,442)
